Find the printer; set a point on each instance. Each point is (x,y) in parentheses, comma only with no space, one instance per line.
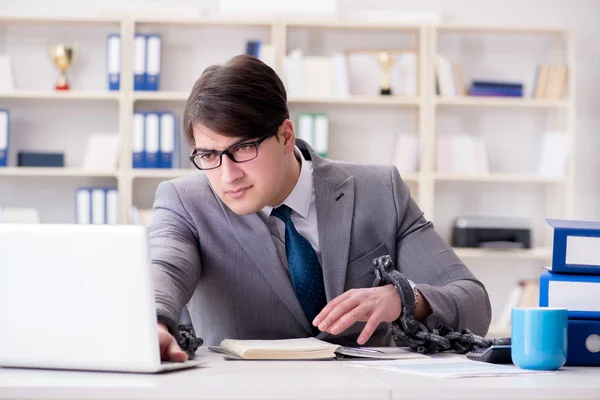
(491,232)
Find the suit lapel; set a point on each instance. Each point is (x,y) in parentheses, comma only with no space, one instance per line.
(255,239)
(334,195)
(335,208)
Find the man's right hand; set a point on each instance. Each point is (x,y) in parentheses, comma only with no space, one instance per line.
(169,348)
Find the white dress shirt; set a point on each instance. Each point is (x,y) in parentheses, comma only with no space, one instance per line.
(304,210)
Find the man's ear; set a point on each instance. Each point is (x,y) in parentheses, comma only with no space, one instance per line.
(288,136)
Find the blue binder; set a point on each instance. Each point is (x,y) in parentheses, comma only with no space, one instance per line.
(576,293)
(139,62)
(576,246)
(583,342)
(4,136)
(113,61)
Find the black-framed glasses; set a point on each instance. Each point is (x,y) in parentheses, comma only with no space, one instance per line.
(238,153)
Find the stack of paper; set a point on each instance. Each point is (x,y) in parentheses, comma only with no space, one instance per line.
(448,367)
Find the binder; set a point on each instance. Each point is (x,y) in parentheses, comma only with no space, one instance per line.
(98,206)
(321,134)
(112,206)
(167,140)
(579,294)
(4,136)
(113,62)
(139,62)
(83,206)
(153,57)
(152,140)
(583,342)
(576,246)
(305,128)
(138,140)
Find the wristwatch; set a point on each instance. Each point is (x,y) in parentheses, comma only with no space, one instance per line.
(414,288)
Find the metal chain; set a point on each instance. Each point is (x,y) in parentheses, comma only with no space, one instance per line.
(416,335)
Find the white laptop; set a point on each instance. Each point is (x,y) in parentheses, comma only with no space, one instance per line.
(78,297)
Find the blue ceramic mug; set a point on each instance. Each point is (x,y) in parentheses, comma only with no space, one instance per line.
(539,337)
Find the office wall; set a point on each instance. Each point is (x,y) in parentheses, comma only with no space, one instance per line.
(580,15)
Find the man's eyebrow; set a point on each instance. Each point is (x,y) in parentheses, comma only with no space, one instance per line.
(216,151)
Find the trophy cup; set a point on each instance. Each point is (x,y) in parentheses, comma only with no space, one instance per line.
(385,62)
(62,56)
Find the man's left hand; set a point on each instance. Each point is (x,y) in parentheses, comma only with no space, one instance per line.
(374,305)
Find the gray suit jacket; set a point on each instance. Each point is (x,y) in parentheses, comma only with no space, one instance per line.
(226,268)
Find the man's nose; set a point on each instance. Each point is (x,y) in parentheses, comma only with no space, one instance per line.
(230,170)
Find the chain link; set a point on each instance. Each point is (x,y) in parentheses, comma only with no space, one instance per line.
(416,335)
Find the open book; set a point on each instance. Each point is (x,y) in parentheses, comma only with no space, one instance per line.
(305,349)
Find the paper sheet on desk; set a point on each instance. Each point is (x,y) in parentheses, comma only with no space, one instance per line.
(448,367)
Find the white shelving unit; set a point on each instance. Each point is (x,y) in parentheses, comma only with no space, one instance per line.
(423,109)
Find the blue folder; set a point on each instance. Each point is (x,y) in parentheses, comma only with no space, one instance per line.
(577,293)
(583,342)
(569,239)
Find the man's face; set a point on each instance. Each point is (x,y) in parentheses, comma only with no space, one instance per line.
(249,186)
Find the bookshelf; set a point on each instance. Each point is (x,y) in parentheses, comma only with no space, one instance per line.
(422,111)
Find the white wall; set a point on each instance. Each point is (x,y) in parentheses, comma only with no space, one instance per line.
(453,199)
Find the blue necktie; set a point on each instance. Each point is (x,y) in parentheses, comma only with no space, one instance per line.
(305,269)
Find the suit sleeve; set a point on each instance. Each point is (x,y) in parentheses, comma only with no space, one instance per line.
(175,255)
(457,299)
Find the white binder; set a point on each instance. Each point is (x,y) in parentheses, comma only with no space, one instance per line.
(4,138)
(153,62)
(139,158)
(112,206)
(167,140)
(83,213)
(321,132)
(98,206)
(152,140)
(139,62)
(113,62)
(305,128)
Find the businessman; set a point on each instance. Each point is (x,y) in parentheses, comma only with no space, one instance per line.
(272,241)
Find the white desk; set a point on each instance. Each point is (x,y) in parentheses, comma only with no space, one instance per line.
(569,383)
(221,379)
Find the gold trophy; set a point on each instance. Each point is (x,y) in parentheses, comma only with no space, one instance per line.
(385,62)
(63,58)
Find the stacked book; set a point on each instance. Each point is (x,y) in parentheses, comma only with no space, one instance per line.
(573,282)
(496,88)
(550,82)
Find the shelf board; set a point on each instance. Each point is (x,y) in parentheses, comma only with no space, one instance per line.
(502,29)
(497,177)
(489,101)
(540,253)
(410,176)
(55,172)
(160,96)
(358,100)
(58,95)
(159,173)
(348,24)
(217,21)
(60,20)
(352,100)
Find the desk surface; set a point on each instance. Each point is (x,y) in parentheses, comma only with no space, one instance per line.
(220,379)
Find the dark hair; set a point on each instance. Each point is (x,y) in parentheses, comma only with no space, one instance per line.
(242,98)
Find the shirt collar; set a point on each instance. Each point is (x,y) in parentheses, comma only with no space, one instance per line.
(300,197)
